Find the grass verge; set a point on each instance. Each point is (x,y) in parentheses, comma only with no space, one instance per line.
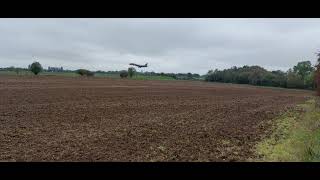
(295,137)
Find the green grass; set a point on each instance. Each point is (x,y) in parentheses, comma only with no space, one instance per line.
(107,75)
(29,73)
(142,77)
(21,73)
(73,74)
(135,77)
(295,137)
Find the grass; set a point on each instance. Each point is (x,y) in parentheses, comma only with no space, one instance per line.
(107,75)
(73,74)
(135,77)
(142,77)
(295,137)
(29,73)
(21,73)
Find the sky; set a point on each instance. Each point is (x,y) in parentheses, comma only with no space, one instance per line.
(167,45)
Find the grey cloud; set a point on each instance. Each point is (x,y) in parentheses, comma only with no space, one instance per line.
(169,45)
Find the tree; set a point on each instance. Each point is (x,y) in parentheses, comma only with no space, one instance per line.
(310,80)
(294,80)
(131,71)
(35,67)
(189,75)
(303,68)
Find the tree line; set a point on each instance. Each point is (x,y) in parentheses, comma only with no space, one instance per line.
(304,75)
(132,71)
(301,76)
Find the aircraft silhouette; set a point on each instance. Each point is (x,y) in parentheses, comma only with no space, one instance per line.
(139,66)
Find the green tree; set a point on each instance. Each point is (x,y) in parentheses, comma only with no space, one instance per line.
(303,68)
(294,80)
(310,80)
(131,71)
(35,67)
(189,75)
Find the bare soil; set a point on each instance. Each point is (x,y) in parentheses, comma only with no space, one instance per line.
(101,119)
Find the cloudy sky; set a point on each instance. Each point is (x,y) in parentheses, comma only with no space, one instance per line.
(168,45)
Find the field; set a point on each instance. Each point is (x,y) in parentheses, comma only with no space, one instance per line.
(55,118)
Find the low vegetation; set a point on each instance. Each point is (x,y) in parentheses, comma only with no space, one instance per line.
(124,74)
(84,72)
(144,77)
(295,136)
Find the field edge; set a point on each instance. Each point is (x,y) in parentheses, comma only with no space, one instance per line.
(295,135)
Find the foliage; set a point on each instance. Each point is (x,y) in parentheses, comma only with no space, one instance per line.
(84,72)
(302,76)
(294,80)
(123,74)
(303,68)
(131,71)
(35,67)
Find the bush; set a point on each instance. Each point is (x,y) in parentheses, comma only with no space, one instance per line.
(123,74)
(35,67)
(83,72)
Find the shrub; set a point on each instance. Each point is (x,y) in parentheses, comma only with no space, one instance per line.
(83,72)
(123,74)
(35,67)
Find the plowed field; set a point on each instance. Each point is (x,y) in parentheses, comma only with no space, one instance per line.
(100,119)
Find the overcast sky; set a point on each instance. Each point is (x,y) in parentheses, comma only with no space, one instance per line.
(168,45)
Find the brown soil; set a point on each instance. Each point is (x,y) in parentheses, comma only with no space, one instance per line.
(101,119)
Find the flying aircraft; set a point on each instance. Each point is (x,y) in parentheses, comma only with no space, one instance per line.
(139,66)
